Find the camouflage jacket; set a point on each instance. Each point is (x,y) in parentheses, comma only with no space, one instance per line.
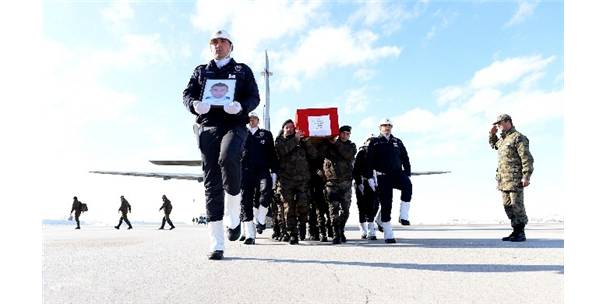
(292,158)
(515,160)
(167,206)
(338,160)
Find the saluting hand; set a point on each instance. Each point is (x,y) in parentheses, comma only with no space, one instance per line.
(494,129)
(525,182)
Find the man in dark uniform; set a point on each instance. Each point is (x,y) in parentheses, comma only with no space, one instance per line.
(366,198)
(77,207)
(338,169)
(259,157)
(125,209)
(222,134)
(389,168)
(168,207)
(293,151)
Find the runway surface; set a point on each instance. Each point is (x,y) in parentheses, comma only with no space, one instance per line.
(428,264)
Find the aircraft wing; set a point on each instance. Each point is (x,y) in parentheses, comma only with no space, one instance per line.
(429,172)
(165,176)
(177,162)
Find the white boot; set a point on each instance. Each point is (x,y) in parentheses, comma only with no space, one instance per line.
(232,210)
(249,232)
(262,215)
(388,236)
(378,221)
(255,215)
(372,235)
(404,208)
(364,230)
(217,238)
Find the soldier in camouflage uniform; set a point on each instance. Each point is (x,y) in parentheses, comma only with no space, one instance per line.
(292,150)
(125,208)
(513,173)
(338,169)
(317,186)
(277,207)
(77,207)
(168,208)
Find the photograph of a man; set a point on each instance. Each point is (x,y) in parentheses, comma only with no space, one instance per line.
(217,91)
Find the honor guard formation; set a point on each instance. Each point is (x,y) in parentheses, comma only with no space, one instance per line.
(305,183)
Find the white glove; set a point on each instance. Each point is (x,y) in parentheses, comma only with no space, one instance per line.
(361,188)
(373,184)
(201,107)
(274,178)
(233,107)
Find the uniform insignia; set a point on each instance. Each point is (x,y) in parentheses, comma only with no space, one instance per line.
(231,76)
(261,133)
(395,145)
(238,68)
(263,141)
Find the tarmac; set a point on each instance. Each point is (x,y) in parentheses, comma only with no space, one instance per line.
(428,264)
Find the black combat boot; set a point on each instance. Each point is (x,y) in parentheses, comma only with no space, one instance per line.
(404,222)
(294,240)
(302,231)
(337,235)
(216,255)
(260,228)
(512,234)
(233,234)
(285,237)
(242,238)
(276,234)
(249,241)
(520,236)
(342,234)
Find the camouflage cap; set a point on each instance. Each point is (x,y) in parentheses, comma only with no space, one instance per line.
(502,117)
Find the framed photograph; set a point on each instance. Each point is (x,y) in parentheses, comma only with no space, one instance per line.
(219,92)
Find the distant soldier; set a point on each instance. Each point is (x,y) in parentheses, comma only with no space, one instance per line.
(388,159)
(366,197)
(77,207)
(338,169)
(514,169)
(168,207)
(125,209)
(258,159)
(293,151)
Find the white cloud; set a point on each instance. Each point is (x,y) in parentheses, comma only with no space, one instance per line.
(334,47)
(524,11)
(252,23)
(119,12)
(388,15)
(509,70)
(448,94)
(136,51)
(364,74)
(445,20)
(356,101)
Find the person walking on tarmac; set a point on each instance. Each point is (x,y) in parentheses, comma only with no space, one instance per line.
(338,169)
(258,158)
(168,207)
(222,134)
(125,209)
(366,197)
(514,169)
(293,151)
(389,168)
(77,207)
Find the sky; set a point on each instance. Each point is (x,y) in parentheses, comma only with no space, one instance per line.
(442,71)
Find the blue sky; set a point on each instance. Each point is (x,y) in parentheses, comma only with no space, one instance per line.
(441,70)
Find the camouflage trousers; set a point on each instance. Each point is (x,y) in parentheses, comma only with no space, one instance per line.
(277,207)
(339,199)
(513,202)
(295,202)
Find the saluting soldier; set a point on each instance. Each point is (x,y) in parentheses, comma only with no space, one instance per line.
(515,166)
(125,209)
(222,137)
(167,207)
(338,169)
